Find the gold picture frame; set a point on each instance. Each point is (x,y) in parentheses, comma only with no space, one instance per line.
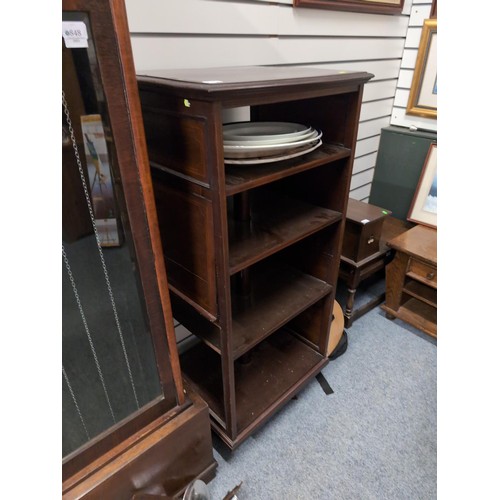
(423,93)
(434,9)
(370,6)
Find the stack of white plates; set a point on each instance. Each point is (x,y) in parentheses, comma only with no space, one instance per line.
(247,143)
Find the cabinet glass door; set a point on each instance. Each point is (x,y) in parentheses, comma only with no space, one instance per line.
(109,367)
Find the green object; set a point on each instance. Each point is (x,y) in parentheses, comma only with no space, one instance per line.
(400,159)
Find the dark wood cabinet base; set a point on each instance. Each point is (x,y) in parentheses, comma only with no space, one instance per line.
(276,370)
(165,457)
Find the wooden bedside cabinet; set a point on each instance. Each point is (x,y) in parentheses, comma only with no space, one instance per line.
(363,229)
(364,251)
(411,279)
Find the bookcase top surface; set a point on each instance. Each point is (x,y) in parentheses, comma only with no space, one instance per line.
(215,80)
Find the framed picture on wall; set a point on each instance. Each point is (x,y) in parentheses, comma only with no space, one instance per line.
(370,6)
(434,9)
(423,209)
(423,93)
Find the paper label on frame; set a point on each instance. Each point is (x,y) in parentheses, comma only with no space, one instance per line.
(75,34)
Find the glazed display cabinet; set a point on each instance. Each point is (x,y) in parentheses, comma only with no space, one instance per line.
(129,427)
(252,250)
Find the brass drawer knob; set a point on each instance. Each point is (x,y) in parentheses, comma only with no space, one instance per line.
(430,276)
(371,239)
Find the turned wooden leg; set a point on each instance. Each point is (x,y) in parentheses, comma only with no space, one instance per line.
(349,306)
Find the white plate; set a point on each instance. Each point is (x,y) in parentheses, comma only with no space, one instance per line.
(264,142)
(261,150)
(270,159)
(263,130)
(265,153)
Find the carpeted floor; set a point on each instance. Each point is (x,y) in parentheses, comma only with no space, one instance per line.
(373,438)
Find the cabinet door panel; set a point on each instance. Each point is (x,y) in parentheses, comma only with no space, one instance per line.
(187,219)
(177,142)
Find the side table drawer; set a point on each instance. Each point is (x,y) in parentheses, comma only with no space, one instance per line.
(424,272)
(361,241)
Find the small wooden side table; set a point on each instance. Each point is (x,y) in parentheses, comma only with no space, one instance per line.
(364,251)
(411,279)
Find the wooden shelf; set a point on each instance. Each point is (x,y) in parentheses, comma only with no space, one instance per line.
(278,294)
(242,178)
(277,369)
(416,313)
(275,224)
(421,279)
(421,292)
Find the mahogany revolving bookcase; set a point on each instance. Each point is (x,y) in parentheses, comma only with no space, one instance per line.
(252,251)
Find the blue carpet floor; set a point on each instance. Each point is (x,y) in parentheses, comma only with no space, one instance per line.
(373,438)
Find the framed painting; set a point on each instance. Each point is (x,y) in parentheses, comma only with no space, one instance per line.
(370,6)
(434,10)
(423,93)
(423,209)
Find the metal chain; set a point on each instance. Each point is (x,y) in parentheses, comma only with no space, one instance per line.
(87,331)
(75,402)
(96,233)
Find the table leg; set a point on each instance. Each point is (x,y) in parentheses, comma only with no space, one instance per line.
(349,307)
(394,282)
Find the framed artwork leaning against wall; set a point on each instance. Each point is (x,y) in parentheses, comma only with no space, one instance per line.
(423,209)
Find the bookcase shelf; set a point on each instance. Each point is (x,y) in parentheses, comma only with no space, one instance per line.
(276,294)
(273,373)
(275,224)
(241,179)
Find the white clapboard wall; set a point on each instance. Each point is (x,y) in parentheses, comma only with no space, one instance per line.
(211,33)
(420,11)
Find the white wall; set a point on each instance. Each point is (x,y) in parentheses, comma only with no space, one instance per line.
(419,12)
(211,33)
